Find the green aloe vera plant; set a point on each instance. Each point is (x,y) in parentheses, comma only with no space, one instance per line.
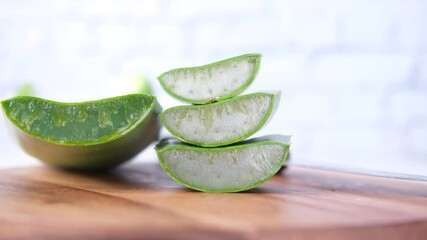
(232,168)
(212,82)
(220,123)
(88,135)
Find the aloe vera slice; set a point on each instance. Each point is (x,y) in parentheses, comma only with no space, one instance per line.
(212,82)
(220,123)
(233,168)
(88,135)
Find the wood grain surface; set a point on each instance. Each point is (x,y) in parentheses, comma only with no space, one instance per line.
(141,202)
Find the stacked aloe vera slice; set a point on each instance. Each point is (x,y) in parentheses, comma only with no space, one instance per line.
(212,155)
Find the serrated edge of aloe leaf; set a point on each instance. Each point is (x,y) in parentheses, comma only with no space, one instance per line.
(273,107)
(153,108)
(248,143)
(232,94)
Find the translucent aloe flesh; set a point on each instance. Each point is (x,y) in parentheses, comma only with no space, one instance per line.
(220,123)
(87,135)
(232,168)
(212,82)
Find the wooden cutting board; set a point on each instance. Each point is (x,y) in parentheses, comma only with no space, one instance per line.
(141,202)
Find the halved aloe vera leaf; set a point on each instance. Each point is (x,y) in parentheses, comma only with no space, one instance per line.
(220,123)
(212,82)
(88,135)
(233,168)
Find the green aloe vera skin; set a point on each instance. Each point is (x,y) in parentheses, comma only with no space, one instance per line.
(232,168)
(220,123)
(85,136)
(212,82)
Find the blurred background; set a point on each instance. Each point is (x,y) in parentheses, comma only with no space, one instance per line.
(353,74)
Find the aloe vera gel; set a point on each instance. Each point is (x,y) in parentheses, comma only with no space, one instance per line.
(232,168)
(211,82)
(213,156)
(220,123)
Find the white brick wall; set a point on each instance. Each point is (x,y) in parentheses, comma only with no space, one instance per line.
(353,74)
(367,70)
